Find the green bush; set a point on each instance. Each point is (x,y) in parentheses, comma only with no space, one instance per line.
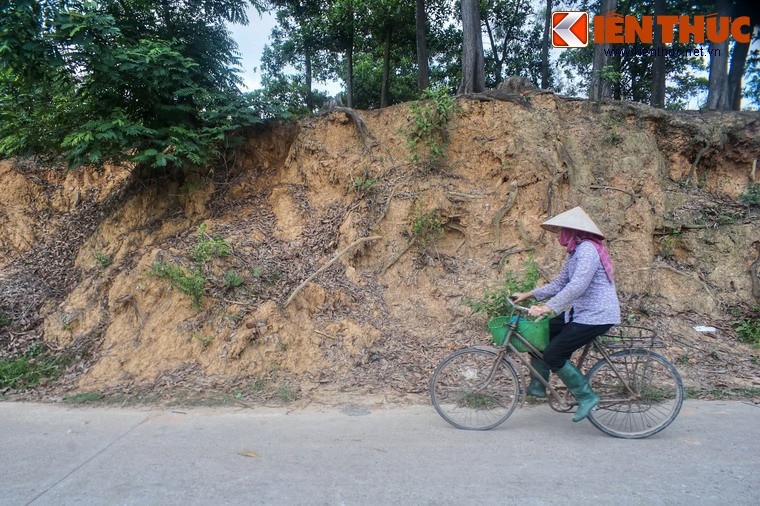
(494,302)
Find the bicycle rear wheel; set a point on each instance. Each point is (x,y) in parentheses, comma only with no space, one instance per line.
(463,395)
(656,397)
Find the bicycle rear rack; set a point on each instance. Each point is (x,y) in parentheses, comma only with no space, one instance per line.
(630,336)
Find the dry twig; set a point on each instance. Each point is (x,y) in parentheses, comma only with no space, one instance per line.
(328,264)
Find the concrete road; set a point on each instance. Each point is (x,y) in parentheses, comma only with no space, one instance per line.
(60,455)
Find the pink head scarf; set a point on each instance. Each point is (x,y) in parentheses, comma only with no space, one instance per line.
(570,239)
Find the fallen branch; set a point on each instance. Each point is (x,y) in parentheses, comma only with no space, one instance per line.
(465,195)
(324,334)
(328,264)
(399,255)
(598,187)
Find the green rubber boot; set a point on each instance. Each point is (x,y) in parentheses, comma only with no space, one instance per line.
(578,385)
(536,388)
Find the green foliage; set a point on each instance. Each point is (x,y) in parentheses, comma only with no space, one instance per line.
(748,329)
(92,82)
(208,247)
(232,279)
(286,394)
(205,341)
(669,244)
(192,283)
(363,184)
(494,302)
(83,398)
(29,369)
(427,226)
(428,124)
(103,260)
(750,195)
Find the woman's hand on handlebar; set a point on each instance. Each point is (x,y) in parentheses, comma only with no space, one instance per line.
(518,297)
(537,311)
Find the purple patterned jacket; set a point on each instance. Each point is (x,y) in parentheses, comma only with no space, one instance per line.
(582,285)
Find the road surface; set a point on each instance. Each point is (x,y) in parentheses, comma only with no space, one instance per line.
(60,455)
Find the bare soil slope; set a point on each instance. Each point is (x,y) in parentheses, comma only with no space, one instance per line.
(79,248)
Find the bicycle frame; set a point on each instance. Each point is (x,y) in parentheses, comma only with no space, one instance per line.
(508,349)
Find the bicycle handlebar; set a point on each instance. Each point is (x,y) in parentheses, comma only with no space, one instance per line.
(515,306)
(524,309)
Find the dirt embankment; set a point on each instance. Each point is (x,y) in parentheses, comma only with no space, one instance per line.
(79,248)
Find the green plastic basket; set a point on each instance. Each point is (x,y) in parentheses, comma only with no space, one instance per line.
(536,333)
(498,327)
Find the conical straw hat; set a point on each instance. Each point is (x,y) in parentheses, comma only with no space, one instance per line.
(576,218)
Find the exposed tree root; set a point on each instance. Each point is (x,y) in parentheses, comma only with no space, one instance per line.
(498,95)
(511,199)
(367,139)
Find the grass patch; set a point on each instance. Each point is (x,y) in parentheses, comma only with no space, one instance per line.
(478,401)
(748,329)
(83,398)
(30,369)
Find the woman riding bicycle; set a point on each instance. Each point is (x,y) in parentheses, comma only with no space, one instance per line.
(585,292)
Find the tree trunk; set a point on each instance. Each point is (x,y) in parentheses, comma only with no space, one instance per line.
(423,72)
(350,76)
(386,66)
(307,71)
(657,98)
(738,60)
(545,48)
(498,61)
(717,86)
(600,88)
(473,63)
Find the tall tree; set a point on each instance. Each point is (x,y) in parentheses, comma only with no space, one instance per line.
(342,23)
(506,24)
(740,53)
(545,46)
(717,88)
(297,40)
(600,86)
(473,62)
(658,61)
(423,72)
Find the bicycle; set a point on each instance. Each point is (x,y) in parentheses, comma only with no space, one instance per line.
(640,391)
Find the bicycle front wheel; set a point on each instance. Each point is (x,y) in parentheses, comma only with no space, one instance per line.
(641,394)
(471,391)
